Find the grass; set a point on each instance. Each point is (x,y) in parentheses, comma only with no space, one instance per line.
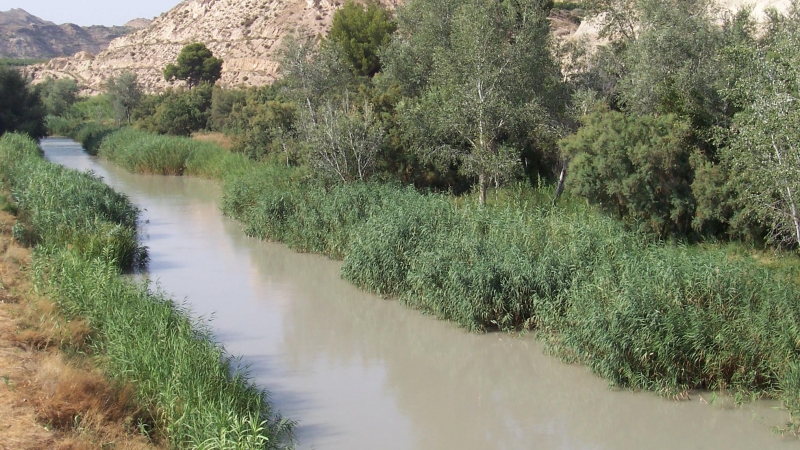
(16,62)
(643,314)
(85,235)
(59,207)
(143,152)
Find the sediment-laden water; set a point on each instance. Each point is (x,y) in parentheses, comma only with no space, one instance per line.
(360,372)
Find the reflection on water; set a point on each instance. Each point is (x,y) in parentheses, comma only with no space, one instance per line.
(357,371)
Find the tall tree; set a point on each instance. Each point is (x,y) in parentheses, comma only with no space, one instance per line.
(21,109)
(126,94)
(360,32)
(490,71)
(195,64)
(58,95)
(765,139)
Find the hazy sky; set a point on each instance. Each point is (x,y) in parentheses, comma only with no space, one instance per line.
(91,12)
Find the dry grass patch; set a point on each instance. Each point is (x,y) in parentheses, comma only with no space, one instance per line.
(215,138)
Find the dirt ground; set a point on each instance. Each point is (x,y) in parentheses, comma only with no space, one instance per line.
(51,396)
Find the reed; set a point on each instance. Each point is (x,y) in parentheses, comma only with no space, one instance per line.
(194,391)
(196,394)
(60,207)
(143,152)
(643,314)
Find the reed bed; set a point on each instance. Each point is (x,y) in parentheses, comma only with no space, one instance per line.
(60,207)
(640,313)
(143,152)
(195,393)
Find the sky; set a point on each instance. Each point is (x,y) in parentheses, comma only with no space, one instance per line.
(91,12)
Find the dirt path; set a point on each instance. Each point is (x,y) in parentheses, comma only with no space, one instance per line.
(50,396)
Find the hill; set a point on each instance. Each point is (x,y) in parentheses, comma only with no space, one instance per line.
(25,36)
(246,34)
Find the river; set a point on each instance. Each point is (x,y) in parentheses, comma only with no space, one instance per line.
(360,372)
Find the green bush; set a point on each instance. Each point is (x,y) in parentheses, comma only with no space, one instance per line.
(636,168)
(21,109)
(180,112)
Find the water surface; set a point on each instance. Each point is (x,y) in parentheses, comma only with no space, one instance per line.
(360,372)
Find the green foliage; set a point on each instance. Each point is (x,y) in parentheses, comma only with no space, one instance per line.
(60,207)
(672,67)
(263,124)
(180,112)
(315,74)
(223,102)
(21,109)
(196,394)
(636,168)
(481,95)
(125,94)
(191,387)
(58,96)
(91,135)
(764,148)
(143,152)
(361,31)
(15,62)
(196,64)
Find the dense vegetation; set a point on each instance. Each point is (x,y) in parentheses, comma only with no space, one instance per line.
(677,143)
(640,313)
(21,110)
(191,391)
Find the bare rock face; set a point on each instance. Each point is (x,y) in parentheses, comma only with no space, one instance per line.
(138,24)
(25,36)
(246,34)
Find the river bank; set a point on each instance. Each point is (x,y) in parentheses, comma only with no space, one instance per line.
(186,388)
(336,358)
(51,396)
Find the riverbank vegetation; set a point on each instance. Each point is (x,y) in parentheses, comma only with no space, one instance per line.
(633,203)
(191,393)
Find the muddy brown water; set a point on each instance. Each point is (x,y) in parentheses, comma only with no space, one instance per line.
(360,372)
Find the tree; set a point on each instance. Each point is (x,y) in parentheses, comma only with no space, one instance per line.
(343,143)
(361,31)
(125,93)
(314,75)
(58,96)
(180,112)
(487,73)
(635,167)
(195,64)
(765,138)
(21,109)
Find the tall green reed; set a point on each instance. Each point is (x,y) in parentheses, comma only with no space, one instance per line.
(85,234)
(194,390)
(640,313)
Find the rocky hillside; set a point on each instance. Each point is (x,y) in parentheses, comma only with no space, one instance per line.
(25,36)
(247,34)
